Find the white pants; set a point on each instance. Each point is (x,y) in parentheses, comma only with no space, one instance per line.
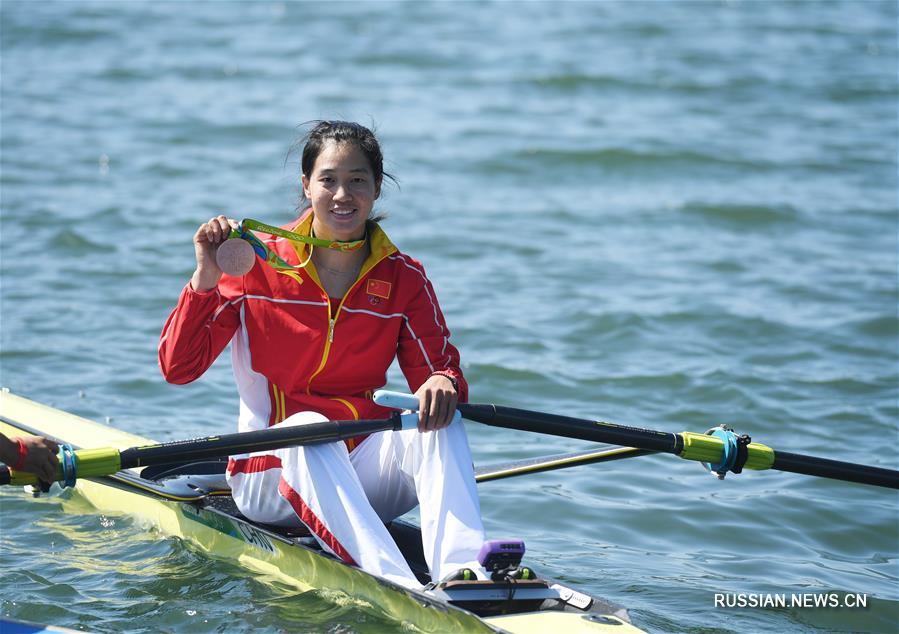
(345,498)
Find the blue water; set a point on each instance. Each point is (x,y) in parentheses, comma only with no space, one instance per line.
(667,215)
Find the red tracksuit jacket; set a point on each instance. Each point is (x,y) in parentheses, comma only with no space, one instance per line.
(290,354)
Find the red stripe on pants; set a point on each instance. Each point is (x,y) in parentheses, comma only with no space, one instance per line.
(311,520)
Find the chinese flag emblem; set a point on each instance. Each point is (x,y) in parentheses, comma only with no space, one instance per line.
(378,288)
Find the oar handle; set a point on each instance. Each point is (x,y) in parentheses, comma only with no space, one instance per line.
(396,400)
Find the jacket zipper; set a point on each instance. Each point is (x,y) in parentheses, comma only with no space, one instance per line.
(332,321)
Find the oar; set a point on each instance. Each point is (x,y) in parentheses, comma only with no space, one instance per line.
(85,463)
(706,448)
(528,466)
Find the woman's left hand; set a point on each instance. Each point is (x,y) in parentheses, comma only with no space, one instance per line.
(437,401)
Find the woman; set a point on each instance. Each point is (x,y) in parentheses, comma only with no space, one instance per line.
(312,345)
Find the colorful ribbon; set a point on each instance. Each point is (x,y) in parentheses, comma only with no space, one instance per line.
(248,225)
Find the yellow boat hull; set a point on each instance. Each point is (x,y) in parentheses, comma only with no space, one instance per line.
(266,553)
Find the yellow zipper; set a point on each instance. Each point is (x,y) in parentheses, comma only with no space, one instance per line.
(332,321)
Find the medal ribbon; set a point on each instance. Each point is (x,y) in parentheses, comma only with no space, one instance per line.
(248,225)
(254,225)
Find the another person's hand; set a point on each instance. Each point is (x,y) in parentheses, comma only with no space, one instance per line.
(206,240)
(40,456)
(437,401)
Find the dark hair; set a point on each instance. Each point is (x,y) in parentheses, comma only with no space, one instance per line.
(342,132)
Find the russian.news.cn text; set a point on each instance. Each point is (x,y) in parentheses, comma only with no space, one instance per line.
(791,600)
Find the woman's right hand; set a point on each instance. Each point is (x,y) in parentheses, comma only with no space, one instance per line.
(206,240)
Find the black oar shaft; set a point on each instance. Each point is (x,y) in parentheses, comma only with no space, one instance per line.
(826,468)
(249,441)
(108,460)
(596,431)
(684,445)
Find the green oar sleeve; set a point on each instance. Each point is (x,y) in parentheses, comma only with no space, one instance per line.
(88,463)
(705,448)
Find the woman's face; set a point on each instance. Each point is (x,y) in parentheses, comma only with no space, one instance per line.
(342,190)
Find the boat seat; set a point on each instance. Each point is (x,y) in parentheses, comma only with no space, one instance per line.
(205,482)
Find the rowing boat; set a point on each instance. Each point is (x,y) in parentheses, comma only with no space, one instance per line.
(192,503)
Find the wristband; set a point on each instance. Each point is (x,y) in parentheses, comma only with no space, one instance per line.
(23,455)
(449,376)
